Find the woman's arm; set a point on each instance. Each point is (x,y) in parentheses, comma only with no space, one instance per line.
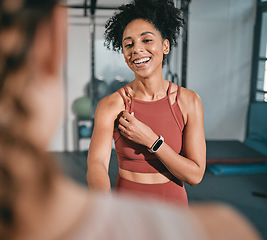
(101,143)
(189,168)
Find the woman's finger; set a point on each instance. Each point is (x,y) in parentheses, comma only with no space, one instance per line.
(127,115)
(122,129)
(124,121)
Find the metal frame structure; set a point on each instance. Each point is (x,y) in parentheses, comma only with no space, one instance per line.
(185,10)
(261,7)
(184,6)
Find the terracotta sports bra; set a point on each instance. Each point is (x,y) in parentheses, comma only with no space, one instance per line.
(163,118)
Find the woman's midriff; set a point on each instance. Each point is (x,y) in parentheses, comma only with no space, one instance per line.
(146,178)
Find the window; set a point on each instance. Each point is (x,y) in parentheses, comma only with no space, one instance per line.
(259,71)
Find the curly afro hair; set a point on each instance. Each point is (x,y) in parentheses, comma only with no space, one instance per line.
(165,17)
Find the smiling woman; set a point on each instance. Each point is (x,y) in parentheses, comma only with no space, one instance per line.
(157,126)
(141,37)
(37,202)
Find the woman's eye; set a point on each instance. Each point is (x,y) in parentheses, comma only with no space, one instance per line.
(147,40)
(129,45)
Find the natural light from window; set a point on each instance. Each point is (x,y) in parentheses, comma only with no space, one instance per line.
(265,78)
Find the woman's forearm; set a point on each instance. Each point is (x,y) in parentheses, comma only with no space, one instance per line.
(98,178)
(185,169)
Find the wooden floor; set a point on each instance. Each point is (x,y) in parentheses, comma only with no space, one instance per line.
(246,193)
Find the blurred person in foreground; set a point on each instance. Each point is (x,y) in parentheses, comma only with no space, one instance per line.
(37,202)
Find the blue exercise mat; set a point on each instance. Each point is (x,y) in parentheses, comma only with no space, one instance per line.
(232,152)
(238,169)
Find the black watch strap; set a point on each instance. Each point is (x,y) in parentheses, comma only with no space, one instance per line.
(156,145)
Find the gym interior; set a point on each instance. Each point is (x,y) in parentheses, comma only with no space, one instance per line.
(221,55)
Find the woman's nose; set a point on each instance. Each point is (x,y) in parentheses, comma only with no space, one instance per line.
(138,47)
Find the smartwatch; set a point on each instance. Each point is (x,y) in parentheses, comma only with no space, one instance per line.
(156,145)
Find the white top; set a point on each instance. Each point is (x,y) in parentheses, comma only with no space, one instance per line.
(120,218)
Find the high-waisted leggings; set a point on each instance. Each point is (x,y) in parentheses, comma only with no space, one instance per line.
(170,192)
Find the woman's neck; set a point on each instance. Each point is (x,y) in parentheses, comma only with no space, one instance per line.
(149,89)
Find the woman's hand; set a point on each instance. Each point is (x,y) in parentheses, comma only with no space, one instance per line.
(135,130)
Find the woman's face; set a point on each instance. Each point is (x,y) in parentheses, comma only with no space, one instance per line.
(143,48)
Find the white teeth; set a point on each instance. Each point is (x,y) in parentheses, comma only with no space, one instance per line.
(141,60)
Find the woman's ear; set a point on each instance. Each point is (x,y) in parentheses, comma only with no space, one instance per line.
(50,43)
(166,47)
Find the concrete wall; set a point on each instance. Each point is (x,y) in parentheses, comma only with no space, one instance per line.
(219,63)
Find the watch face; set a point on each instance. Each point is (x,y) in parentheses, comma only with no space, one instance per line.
(157,145)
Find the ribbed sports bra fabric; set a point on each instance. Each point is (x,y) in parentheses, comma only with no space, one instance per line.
(163,118)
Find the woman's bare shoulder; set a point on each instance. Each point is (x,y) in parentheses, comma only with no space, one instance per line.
(186,95)
(190,97)
(110,105)
(190,104)
(111,100)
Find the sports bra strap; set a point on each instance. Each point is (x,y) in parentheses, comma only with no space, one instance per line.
(124,100)
(126,90)
(131,104)
(178,93)
(127,105)
(169,89)
(171,107)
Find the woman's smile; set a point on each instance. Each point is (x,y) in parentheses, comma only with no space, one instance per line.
(143,47)
(141,62)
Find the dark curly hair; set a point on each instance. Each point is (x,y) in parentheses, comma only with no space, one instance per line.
(165,17)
